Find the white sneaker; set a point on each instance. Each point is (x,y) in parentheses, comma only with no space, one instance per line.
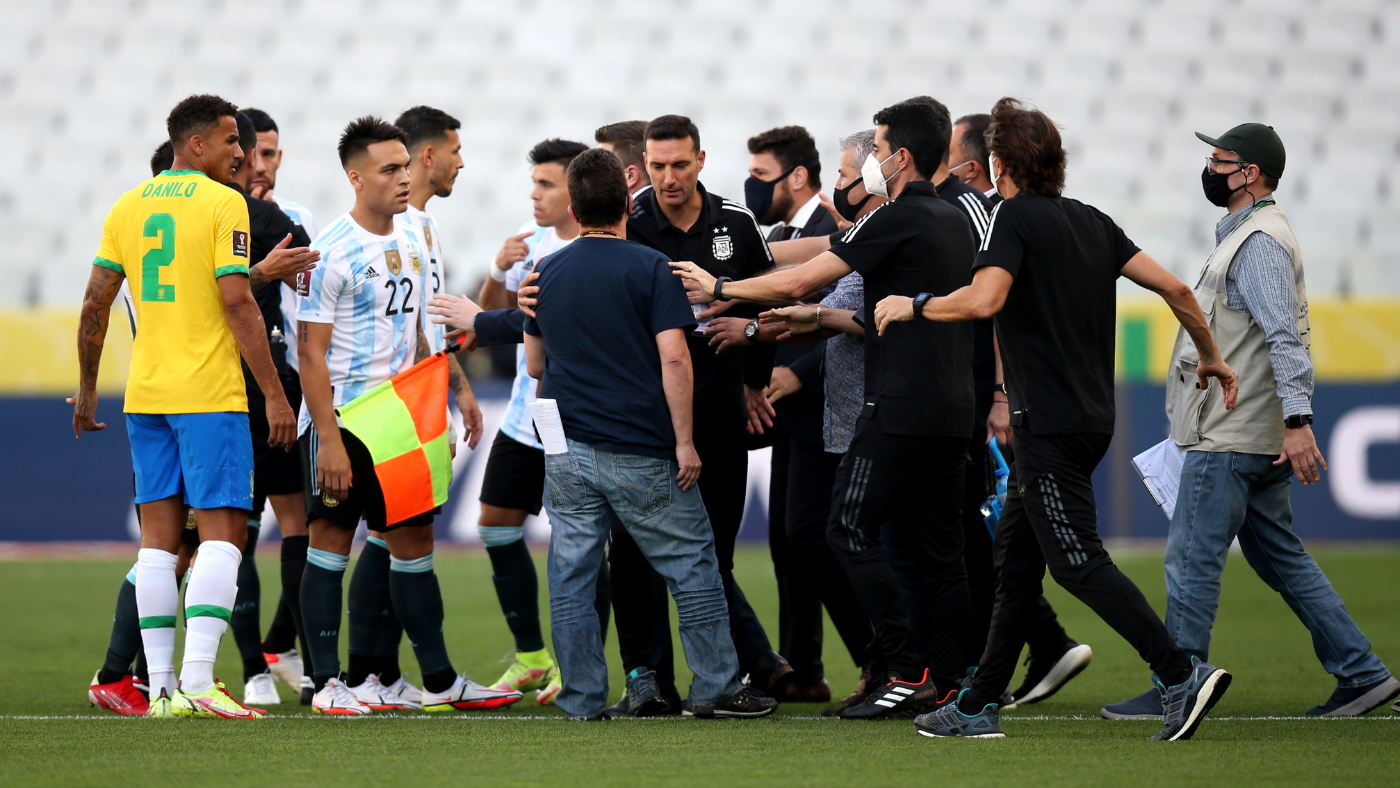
(466,694)
(335,698)
(408,693)
(379,697)
(261,690)
(286,666)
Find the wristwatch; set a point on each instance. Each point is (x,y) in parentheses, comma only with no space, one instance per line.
(919,301)
(751,330)
(999,388)
(1297,422)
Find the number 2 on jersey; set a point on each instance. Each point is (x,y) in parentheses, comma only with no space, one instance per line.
(162,225)
(393,288)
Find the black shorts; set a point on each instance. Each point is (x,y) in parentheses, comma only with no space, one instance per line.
(366,498)
(514,477)
(275,472)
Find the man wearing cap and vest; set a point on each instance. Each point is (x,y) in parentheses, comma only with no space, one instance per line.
(1235,475)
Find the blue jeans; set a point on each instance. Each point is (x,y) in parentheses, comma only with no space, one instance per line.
(586,490)
(1228,494)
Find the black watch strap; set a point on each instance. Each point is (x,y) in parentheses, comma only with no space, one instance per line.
(719,288)
(999,388)
(919,301)
(1296,422)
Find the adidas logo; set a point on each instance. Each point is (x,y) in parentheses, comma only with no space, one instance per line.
(894,697)
(370,273)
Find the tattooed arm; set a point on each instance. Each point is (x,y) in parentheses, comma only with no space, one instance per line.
(103,284)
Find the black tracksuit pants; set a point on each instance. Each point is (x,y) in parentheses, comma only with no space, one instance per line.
(915,481)
(807,572)
(1050,520)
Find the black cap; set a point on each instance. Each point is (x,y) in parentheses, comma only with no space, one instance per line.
(1255,143)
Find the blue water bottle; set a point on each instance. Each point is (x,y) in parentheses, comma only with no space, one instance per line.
(991,510)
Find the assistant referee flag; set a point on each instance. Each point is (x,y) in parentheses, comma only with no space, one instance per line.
(403,423)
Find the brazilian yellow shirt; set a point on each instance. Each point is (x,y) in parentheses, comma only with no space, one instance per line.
(173,237)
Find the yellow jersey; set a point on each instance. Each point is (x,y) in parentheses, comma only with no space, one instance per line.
(173,237)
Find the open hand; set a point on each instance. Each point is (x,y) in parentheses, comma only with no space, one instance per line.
(699,284)
(457,311)
(526,298)
(783,383)
(689,460)
(283,263)
(727,332)
(1300,448)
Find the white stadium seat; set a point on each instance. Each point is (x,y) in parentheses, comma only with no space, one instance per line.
(1127,80)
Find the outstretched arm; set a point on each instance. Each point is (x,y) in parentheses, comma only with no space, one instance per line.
(103,285)
(1145,271)
(977,301)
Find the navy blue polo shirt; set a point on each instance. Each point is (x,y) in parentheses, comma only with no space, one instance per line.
(602,301)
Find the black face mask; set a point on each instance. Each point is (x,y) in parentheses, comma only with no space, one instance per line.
(758,194)
(1217,187)
(843,205)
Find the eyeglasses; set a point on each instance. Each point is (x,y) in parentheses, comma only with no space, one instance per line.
(1213,163)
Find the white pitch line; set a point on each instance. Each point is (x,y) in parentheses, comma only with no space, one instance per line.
(556,718)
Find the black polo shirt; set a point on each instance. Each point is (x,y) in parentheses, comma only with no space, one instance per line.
(977,208)
(267,226)
(725,241)
(918,376)
(1058,326)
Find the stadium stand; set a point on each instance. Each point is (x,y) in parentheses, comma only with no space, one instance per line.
(84,85)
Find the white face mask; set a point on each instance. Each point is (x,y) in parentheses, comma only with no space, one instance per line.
(874,176)
(992,162)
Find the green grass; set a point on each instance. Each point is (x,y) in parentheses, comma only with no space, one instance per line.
(58,614)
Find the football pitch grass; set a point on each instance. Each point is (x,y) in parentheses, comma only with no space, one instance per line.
(58,614)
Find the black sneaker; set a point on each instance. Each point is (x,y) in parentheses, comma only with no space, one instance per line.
(1187,704)
(1147,706)
(896,698)
(643,695)
(948,720)
(771,675)
(1049,672)
(619,708)
(747,702)
(1356,701)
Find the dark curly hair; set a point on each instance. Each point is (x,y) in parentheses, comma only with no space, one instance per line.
(197,115)
(1028,144)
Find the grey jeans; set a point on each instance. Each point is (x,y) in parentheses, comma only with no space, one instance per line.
(586,490)
(1228,494)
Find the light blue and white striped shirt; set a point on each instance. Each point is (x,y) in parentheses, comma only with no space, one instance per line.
(518,422)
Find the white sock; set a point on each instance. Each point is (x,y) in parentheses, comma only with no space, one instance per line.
(209,599)
(157,603)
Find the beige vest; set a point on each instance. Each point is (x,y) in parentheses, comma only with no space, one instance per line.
(1199,421)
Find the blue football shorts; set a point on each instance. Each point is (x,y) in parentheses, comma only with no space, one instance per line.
(205,457)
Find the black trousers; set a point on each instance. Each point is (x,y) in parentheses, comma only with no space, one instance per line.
(916,482)
(1043,631)
(807,571)
(724,480)
(1050,520)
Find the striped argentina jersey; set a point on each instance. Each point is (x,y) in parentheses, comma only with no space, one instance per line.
(370,289)
(425,228)
(517,422)
(301,215)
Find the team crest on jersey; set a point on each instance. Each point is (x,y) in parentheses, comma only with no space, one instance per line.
(723,247)
(391,256)
(428,237)
(415,262)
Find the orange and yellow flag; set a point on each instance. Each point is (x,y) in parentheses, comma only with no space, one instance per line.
(403,423)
